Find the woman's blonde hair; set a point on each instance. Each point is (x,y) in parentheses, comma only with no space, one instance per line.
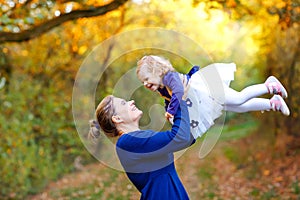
(153,64)
(104,114)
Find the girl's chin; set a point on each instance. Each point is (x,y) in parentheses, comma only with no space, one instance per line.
(154,89)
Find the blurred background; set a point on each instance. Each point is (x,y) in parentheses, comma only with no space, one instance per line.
(43,44)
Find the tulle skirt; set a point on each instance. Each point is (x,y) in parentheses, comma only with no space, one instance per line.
(206,95)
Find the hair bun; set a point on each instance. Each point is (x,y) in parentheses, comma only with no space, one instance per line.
(94,132)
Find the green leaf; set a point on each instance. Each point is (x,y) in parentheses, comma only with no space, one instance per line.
(40,16)
(5,19)
(29,20)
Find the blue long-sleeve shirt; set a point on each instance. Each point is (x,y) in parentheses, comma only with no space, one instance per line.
(147,157)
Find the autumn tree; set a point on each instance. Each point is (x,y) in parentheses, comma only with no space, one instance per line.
(280,46)
(25,20)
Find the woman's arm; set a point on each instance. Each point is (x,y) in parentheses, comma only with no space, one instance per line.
(145,151)
(157,143)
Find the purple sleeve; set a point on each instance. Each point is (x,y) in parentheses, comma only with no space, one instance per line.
(173,82)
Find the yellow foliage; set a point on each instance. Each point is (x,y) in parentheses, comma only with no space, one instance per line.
(5,50)
(276,3)
(281,4)
(8,151)
(82,49)
(231,3)
(74,48)
(24,53)
(58,42)
(268,3)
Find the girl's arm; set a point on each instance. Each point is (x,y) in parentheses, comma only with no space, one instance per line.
(173,81)
(165,94)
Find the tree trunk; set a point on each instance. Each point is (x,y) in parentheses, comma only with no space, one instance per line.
(52,23)
(5,69)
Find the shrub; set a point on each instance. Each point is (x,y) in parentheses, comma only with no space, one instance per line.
(38,138)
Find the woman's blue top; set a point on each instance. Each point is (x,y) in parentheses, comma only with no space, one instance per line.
(147,157)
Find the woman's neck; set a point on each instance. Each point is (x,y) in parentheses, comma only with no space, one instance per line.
(127,128)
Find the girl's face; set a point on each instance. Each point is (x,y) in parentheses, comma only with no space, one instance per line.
(151,81)
(126,110)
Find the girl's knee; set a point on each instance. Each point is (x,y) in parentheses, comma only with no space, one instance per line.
(235,101)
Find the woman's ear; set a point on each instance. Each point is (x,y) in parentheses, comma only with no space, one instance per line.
(116,119)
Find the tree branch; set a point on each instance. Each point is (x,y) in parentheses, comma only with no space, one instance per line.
(48,25)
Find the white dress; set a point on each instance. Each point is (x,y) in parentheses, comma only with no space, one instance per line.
(205,98)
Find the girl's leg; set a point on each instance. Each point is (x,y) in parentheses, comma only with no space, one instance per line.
(254,104)
(233,97)
(271,85)
(276,103)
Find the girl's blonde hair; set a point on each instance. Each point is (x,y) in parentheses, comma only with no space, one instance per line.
(153,64)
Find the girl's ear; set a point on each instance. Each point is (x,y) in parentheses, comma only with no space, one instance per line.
(162,73)
(159,72)
(116,119)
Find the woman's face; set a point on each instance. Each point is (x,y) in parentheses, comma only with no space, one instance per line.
(126,110)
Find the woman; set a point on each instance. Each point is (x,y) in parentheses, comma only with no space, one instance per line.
(146,155)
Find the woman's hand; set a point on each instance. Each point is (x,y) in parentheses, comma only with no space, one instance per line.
(186,86)
(169,116)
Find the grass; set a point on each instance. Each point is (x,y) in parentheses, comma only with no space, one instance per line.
(238,131)
(295,187)
(255,192)
(205,173)
(92,191)
(271,194)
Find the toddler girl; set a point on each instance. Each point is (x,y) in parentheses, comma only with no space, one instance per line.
(209,92)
